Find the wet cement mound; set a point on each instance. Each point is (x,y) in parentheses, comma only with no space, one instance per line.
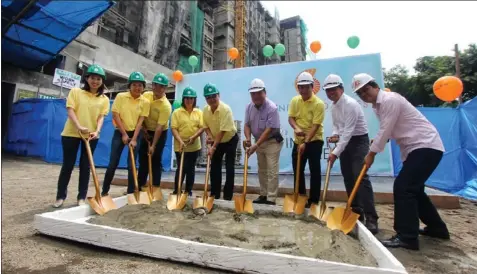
(265,231)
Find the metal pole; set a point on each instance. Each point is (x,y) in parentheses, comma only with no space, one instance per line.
(457,67)
(61,86)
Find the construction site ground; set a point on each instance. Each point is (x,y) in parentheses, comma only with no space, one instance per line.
(29,188)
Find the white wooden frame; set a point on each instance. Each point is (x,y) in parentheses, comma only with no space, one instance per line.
(71,224)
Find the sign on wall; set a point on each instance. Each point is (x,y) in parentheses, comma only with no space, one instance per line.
(280,85)
(66,79)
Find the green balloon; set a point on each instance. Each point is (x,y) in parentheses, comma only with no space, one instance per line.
(280,49)
(267,51)
(193,61)
(177,104)
(353,42)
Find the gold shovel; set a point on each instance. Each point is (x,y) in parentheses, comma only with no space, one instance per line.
(138,197)
(320,211)
(206,202)
(178,201)
(154,192)
(242,205)
(295,203)
(99,204)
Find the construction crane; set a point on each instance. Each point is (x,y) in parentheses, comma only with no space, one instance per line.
(240,32)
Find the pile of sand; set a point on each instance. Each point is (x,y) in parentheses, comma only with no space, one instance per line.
(268,231)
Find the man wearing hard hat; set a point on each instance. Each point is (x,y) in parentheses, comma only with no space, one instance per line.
(306,113)
(263,122)
(350,132)
(421,151)
(222,135)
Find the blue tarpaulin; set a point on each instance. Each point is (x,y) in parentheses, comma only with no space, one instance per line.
(457,171)
(44,28)
(35,130)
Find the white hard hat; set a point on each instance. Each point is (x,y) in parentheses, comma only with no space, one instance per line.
(305,78)
(359,80)
(256,85)
(332,81)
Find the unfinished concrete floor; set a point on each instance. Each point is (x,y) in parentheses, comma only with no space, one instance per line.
(29,187)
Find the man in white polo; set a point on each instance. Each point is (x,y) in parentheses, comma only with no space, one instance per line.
(350,132)
(263,122)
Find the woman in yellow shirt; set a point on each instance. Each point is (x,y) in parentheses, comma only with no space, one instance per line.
(86,110)
(187,126)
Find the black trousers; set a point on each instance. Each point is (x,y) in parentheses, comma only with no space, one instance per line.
(188,170)
(411,203)
(156,159)
(313,155)
(351,163)
(229,149)
(70,150)
(117,147)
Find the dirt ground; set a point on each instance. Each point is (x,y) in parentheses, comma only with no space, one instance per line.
(29,188)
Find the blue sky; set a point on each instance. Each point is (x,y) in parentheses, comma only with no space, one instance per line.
(401,31)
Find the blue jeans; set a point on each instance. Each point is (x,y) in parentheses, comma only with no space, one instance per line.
(117,147)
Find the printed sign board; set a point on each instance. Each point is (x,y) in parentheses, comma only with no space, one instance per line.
(66,79)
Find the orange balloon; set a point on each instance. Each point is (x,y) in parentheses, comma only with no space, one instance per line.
(387,89)
(315,46)
(177,75)
(448,88)
(233,53)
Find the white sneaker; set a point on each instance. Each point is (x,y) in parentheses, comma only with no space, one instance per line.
(81,202)
(58,203)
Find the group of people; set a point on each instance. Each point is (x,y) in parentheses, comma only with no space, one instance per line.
(141,120)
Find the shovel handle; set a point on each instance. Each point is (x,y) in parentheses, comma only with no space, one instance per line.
(206,184)
(133,164)
(92,166)
(179,183)
(297,173)
(245,173)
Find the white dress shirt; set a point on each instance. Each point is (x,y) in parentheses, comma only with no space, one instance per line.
(348,121)
(400,120)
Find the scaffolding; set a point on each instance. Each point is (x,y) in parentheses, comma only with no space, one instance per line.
(240,33)
(196,23)
(305,48)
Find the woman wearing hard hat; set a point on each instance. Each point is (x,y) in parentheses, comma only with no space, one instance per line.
(222,134)
(421,151)
(156,124)
(129,111)
(187,125)
(86,110)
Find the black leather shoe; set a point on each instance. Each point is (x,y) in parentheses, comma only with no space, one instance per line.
(395,242)
(270,203)
(372,225)
(260,200)
(435,233)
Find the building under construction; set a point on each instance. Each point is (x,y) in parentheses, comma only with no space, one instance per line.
(293,35)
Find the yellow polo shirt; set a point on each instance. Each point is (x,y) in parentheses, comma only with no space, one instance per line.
(130,109)
(306,114)
(187,124)
(159,112)
(87,107)
(221,120)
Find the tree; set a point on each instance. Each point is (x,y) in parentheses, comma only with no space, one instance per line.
(418,88)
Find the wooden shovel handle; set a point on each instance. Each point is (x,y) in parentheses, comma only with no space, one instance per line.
(133,166)
(206,185)
(92,167)
(245,173)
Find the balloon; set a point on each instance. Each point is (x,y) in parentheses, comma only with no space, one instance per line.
(233,53)
(176,104)
(177,75)
(387,89)
(267,51)
(353,42)
(280,49)
(193,61)
(315,46)
(448,88)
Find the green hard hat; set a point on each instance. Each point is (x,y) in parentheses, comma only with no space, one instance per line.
(161,79)
(189,92)
(210,89)
(95,69)
(136,77)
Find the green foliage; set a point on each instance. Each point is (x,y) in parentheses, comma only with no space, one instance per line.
(418,88)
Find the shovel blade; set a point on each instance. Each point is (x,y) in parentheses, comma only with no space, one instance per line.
(157,194)
(198,203)
(96,206)
(315,211)
(342,220)
(182,201)
(289,203)
(209,204)
(320,211)
(248,207)
(132,199)
(172,202)
(108,203)
(295,204)
(144,198)
(239,203)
